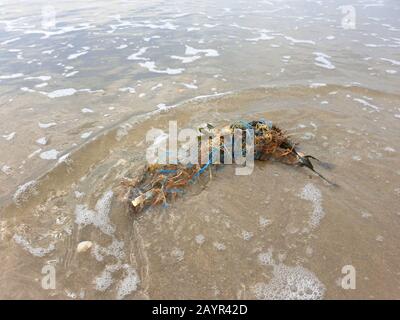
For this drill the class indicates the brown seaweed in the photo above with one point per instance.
(161, 183)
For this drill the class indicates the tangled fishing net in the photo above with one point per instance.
(160, 184)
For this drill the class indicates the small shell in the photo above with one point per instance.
(84, 246)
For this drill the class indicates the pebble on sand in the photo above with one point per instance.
(84, 246)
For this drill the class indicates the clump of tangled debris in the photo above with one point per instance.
(160, 184)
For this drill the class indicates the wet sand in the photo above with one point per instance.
(278, 233)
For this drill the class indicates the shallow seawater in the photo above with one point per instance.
(78, 96)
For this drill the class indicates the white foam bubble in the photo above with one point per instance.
(137, 55)
(317, 85)
(373, 45)
(79, 195)
(42, 141)
(264, 222)
(10, 136)
(61, 93)
(186, 59)
(26, 89)
(157, 86)
(147, 39)
(179, 254)
(219, 246)
(151, 66)
(70, 74)
(115, 249)
(9, 41)
(98, 217)
(105, 279)
(127, 89)
(125, 287)
(311, 193)
(166, 25)
(24, 191)
(86, 135)
(291, 283)
(91, 91)
(11, 76)
(393, 62)
(266, 258)
(322, 61)
(47, 125)
(129, 283)
(87, 110)
(208, 52)
(41, 78)
(200, 239)
(50, 154)
(162, 106)
(262, 37)
(59, 31)
(7, 170)
(35, 251)
(390, 149)
(247, 235)
(295, 41)
(366, 103)
(191, 85)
